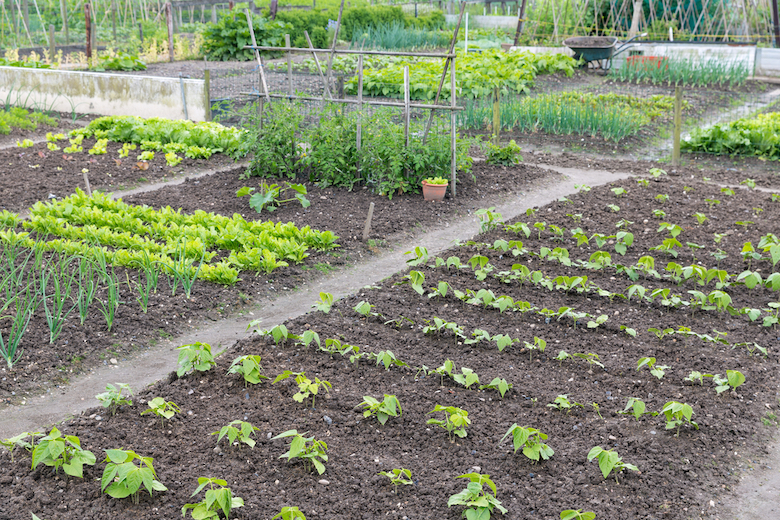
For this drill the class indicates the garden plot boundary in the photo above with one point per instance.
(449, 64)
(159, 361)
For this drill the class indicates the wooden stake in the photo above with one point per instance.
(677, 125)
(496, 115)
(64, 13)
(289, 65)
(86, 182)
(453, 132)
(52, 43)
(88, 29)
(359, 132)
(113, 19)
(335, 39)
(367, 227)
(406, 105)
(317, 62)
(207, 89)
(169, 23)
(259, 60)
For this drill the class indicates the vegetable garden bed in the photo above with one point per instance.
(574, 283)
(80, 347)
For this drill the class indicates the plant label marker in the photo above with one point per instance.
(86, 183)
(367, 227)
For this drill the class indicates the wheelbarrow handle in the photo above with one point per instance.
(627, 44)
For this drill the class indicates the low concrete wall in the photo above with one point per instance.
(489, 22)
(104, 94)
(768, 62)
(725, 53)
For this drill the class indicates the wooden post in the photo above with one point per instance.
(340, 87)
(213, 14)
(86, 182)
(496, 115)
(64, 13)
(520, 21)
(444, 72)
(453, 132)
(207, 92)
(367, 227)
(359, 133)
(677, 125)
(406, 105)
(335, 39)
(776, 22)
(274, 7)
(113, 19)
(52, 43)
(26, 15)
(169, 24)
(88, 29)
(289, 65)
(249, 22)
(317, 62)
(141, 32)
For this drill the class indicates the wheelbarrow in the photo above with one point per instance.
(598, 50)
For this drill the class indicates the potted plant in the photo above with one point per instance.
(434, 188)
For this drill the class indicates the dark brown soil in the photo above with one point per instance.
(678, 478)
(80, 347)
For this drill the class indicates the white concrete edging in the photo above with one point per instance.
(104, 94)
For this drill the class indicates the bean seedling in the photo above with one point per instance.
(455, 420)
(243, 433)
(62, 452)
(479, 502)
(538, 344)
(217, 499)
(123, 478)
(20, 441)
(562, 403)
(290, 513)
(636, 407)
(577, 514)
(676, 414)
(531, 440)
(249, 367)
(734, 378)
(306, 387)
(196, 356)
(162, 409)
(383, 410)
(398, 476)
(308, 449)
(112, 398)
(609, 461)
(499, 385)
(656, 370)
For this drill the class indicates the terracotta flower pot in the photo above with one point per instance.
(434, 191)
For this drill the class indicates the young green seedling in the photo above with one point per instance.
(578, 514)
(676, 414)
(364, 309)
(455, 420)
(467, 377)
(20, 441)
(398, 476)
(480, 504)
(57, 451)
(122, 478)
(562, 403)
(656, 370)
(241, 434)
(562, 356)
(531, 440)
(538, 344)
(196, 356)
(591, 358)
(249, 367)
(113, 398)
(306, 387)
(498, 384)
(734, 378)
(217, 499)
(307, 449)
(636, 407)
(383, 410)
(325, 303)
(290, 513)
(609, 461)
(162, 409)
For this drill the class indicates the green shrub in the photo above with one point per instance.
(225, 40)
(273, 149)
(361, 18)
(504, 155)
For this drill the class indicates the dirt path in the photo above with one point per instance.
(157, 362)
